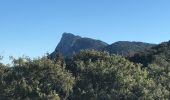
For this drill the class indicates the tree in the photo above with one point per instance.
(37, 79)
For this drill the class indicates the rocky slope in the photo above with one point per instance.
(71, 44)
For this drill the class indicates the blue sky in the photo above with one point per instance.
(33, 27)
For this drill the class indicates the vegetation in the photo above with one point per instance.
(159, 54)
(89, 75)
(35, 79)
(100, 76)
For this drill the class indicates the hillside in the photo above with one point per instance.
(159, 54)
(127, 48)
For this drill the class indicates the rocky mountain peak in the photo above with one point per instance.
(70, 44)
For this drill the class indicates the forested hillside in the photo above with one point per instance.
(126, 48)
(88, 75)
(159, 54)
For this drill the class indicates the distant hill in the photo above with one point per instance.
(71, 44)
(127, 48)
(159, 54)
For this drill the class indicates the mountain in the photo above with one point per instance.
(127, 48)
(71, 44)
(159, 54)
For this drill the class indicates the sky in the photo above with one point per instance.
(34, 27)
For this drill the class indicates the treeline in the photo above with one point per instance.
(89, 75)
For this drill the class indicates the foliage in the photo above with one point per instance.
(36, 79)
(159, 54)
(100, 76)
(89, 75)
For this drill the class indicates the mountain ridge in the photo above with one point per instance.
(127, 48)
(71, 44)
